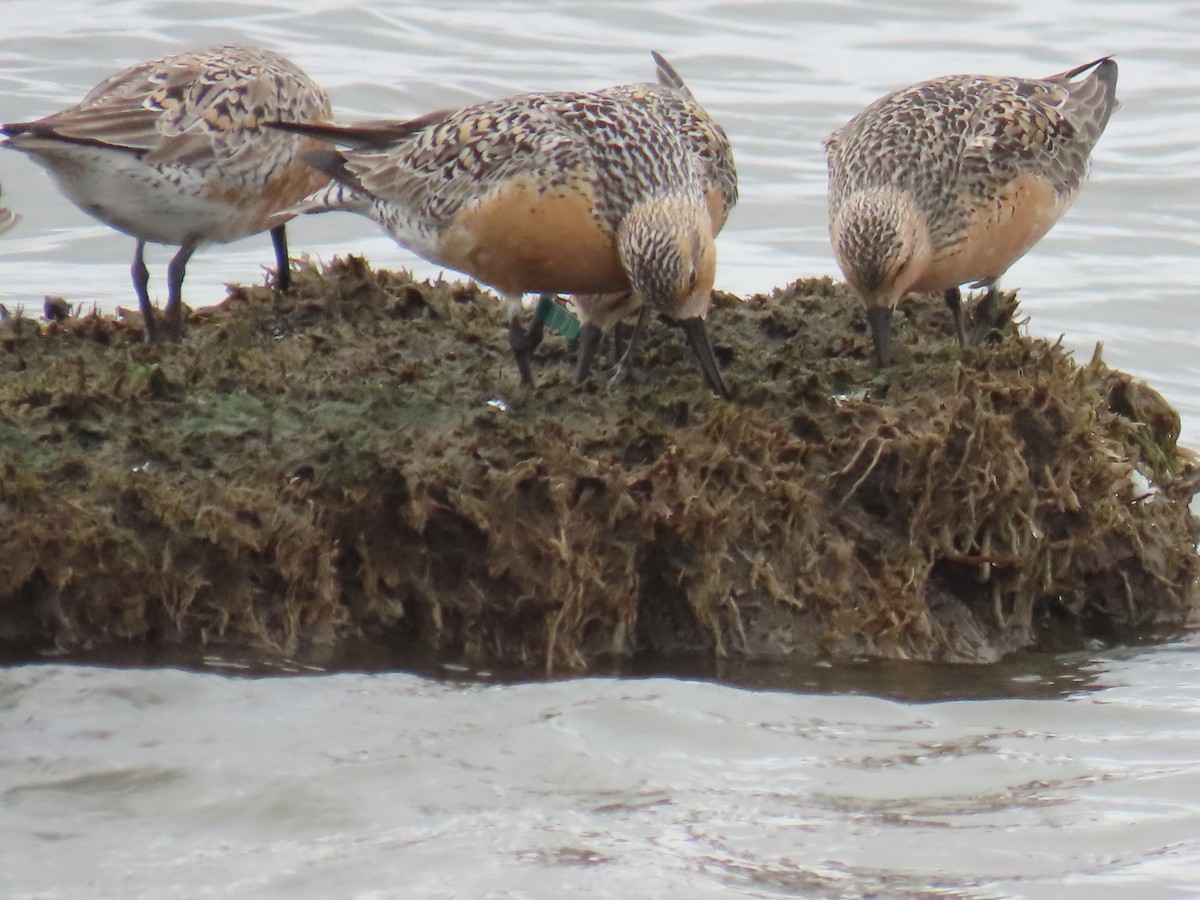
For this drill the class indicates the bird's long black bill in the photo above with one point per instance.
(880, 320)
(698, 338)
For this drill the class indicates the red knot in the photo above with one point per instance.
(591, 192)
(712, 157)
(951, 181)
(173, 151)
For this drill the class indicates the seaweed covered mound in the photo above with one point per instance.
(357, 457)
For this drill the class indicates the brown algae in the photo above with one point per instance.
(356, 457)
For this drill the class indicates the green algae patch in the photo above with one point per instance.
(356, 457)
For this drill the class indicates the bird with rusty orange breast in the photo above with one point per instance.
(712, 156)
(577, 192)
(173, 151)
(951, 181)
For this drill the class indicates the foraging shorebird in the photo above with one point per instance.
(173, 151)
(559, 192)
(708, 145)
(951, 181)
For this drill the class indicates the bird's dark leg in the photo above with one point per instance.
(537, 330)
(173, 313)
(618, 341)
(623, 364)
(141, 287)
(283, 264)
(518, 339)
(954, 301)
(589, 343)
(989, 307)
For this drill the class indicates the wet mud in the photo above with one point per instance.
(356, 458)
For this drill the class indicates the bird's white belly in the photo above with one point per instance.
(163, 206)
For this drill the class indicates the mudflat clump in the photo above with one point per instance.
(356, 457)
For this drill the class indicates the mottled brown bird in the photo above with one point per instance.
(951, 181)
(173, 151)
(589, 192)
(712, 156)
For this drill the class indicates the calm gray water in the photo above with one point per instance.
(1080, 778)
(1074, 777)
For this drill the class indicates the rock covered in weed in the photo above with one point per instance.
(356, 456)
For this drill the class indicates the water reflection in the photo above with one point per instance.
(1024, 676)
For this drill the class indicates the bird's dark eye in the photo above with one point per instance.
(693, 277)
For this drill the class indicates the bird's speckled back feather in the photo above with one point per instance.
(551, 136)
(175, 150)
(622, 144)
(189, 109)
(712, 155)
(703, 138)
(950, 143)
